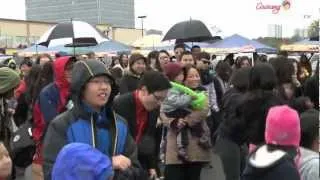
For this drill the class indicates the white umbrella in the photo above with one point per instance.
(75, 32)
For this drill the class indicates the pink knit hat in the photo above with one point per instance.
(282, 126)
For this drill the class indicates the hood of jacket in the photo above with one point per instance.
(83, 162)
(9, 79)
(82, 72)
(59, 66)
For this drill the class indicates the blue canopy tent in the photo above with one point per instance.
(72, 50)
(111, 46)
(34, 49)
(241, 44)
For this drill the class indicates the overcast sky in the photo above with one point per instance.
(230, 16)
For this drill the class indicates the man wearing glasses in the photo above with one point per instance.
(141, 109)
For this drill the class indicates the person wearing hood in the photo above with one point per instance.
(84, 163)
(279, 157)
(91, 120)
(9, 80)
(52, 101)
(130, 80)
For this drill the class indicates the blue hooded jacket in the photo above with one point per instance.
(106, 131)
(78, 161)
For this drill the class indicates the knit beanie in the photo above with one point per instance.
(282, 126)
(172, 70)
(9, 79)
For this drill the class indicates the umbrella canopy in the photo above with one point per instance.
(75, 32)
(111, 46)
(238, 44)
(189, 31)
(72, 50)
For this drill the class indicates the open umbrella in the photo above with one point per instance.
(189, 31)
(111, 46)
(78, 33)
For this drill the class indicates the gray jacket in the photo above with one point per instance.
(175, 100)
(309, 164)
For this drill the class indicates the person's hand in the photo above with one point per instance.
(120, 162)
(153, 174)
(5, 162)
(181, 123)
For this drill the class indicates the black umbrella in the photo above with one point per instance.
(76, 33)
(189, 31)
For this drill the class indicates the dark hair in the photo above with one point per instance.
(299, 104)
(240, 79)
(263, 58)
(186, 70)
(194, 47)
(31, 82)
(158, 65)
(116, 73)
(262, 76)
(309, 127)
(27, 61)
(224, 70)
(284, 69)
(45, 77)
(213, 57)
(283, 53)
(113, 61)
(240, 59)
(154, 81)
(41, 56)
(183, 46)
(121, 59)
(186, 53)
(229, 59)
(204, 55)
(152, 55)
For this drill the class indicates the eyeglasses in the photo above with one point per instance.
(159, 98)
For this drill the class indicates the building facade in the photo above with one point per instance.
(119, 13)
(275, 30)
(18, 34)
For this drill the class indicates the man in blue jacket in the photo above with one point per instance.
(92, 120)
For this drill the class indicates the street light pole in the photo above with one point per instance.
(142, 17)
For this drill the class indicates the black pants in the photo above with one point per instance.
(183, 171)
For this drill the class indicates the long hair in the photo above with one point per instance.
(45, 77)
(31, 82)
(158, 64)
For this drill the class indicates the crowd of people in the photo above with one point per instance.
(160, 116)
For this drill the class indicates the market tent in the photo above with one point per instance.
(238, 44)
(34, 49)
(111, 46)
(305, 45)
